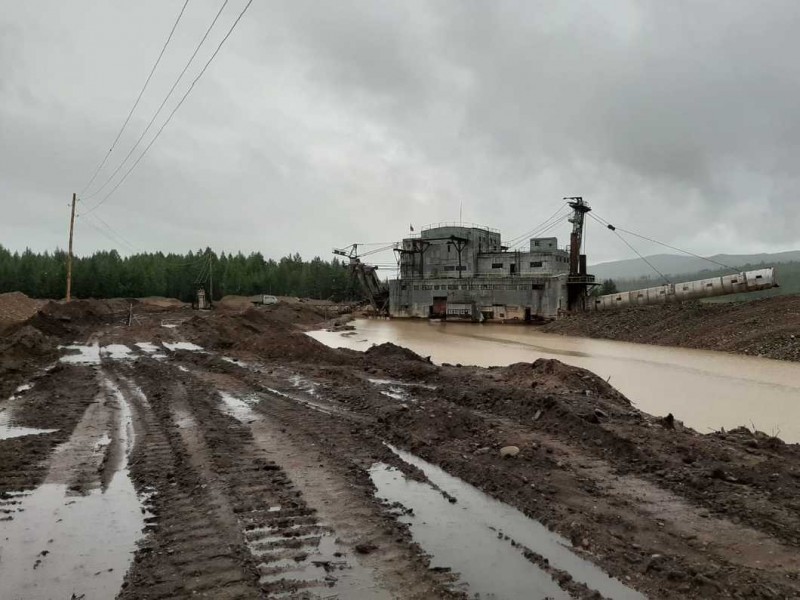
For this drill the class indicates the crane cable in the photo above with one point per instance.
(383, 249)
(624, 241)
(644, 237)
(138, 98)
(161, 106)
(174, 110)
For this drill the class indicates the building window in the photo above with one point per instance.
(535, 264)
(537, 286)
(536, 243)
(449, 268)
(497, 265)
(461, 268)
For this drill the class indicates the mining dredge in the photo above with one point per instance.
(460, 271)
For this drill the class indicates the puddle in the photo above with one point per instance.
(326, 565)
(182, 346)
(10, 431)
(7, 429)
(82, 354)
(116, 352)
(148, 347)
(238, 408)
(237, 362)
(394, 383)
(151, 350)
(394, 393)
(465, 536)
(60, 545)
(304, 384)
(307, 403)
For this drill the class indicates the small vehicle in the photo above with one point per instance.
(265, 299)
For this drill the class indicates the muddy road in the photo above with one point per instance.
(229, 455)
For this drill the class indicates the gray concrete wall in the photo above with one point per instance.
(525, 263)
(506, 297)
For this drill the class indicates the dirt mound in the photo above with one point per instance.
(297, 313)
(266, 333)
(22, 351)
(161, 302)
(64, 319)
(392, 352)
(550, 375)
(397, 361)
(16, 307)
(768, 327)
(235, 302)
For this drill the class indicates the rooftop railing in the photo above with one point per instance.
(457, 224)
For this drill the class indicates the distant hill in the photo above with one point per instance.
(674, 264)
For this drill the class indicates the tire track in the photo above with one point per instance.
(189, 551)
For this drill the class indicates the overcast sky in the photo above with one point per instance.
(320, 124)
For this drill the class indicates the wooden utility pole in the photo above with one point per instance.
(210, 281)
(69, 254)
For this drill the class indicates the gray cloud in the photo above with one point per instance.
(321, 124)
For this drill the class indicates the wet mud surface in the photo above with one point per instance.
(769, 327)
(231, 456)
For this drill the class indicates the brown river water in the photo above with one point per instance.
(706, 390)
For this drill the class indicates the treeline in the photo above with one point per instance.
(106, 274)
(788, 275)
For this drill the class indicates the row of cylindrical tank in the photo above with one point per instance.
(746, 281)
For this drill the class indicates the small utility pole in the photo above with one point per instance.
(69, 254)
(210, 280)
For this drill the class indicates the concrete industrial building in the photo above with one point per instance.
(458, 271)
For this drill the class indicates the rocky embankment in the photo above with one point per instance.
(768, 328)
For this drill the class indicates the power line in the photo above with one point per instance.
(174, 110)
(116, 233)
(514, 240)
(105, 234)
(163, 102)
(540, 231)
(138, 98)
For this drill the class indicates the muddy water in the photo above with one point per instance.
(61, 544)
(705, 389)
(472, 537)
